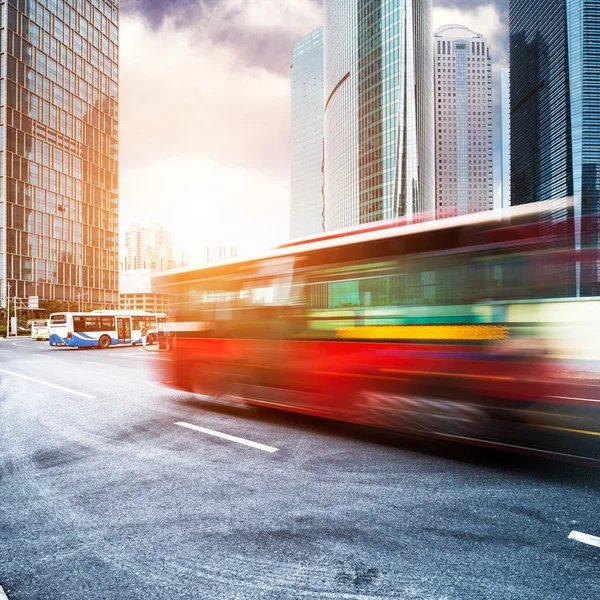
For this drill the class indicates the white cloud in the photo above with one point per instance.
(206, 202)
(204, 139)
(295, 17)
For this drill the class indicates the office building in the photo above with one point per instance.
(379, 120)
(59, 165)
(505, 136)
(555, 103)
(463, 122)
(306, 81)
(148, 248)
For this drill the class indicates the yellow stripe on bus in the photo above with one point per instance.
(424, 332)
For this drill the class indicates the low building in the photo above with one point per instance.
(135, 292)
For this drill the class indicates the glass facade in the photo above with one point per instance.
(463, 122)
(306, 81)
(555, 111)
(379, 138)
(505, 126)
(59, 158)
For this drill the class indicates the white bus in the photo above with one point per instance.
(105, 328)
(39, 330)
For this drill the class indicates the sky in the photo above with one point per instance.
(204, 112)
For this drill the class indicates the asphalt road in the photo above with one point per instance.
(104, 496)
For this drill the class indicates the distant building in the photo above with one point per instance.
(505, 133)
(135, 292)
(184, 259)
(148, 248)
(306, 81)
(219, 252)
(379, 136)
(463, 122)
(555, 108)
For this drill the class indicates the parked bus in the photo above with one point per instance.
(436, 328)
(39, 330)
(104, 328)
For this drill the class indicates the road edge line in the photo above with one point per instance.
(48, 384)
(3, 596)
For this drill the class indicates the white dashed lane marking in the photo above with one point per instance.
(226, 436)
(585, 538)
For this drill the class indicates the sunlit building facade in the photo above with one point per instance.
(306, 83)
(379, 120)
(463, 122)
(555, 108)
(58, 165)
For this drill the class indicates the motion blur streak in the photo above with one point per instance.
(426, 332)
(482, 327)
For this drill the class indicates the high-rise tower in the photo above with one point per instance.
(306, 81)
(58, 171)
(505, 135)
(463, 122)
(555, 103)
(379, 136)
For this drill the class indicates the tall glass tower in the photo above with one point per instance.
(463, 122)
(306, 83)
(555, 108)
(379, 120)
(505, 135)
(59, 158)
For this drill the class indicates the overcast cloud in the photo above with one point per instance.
(204, 111)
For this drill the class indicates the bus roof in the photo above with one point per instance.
(383, 230)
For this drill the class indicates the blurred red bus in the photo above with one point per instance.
(433, 327)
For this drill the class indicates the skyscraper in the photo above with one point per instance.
(505, 134)
(58, 170)
(148, 248)
(379, 137)
(463, 122)
(555, 103)
(306, 81)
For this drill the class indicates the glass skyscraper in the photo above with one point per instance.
(379, 136)
(505, 129)
(59, 158)
(463, 122)
(306, 81)
(555, 111)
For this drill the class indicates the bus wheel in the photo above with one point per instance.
(151, 339)
(104, 342)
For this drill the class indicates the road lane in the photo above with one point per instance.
(105, 498)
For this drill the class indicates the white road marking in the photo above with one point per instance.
(3, 596)
(145, 356)
(226, 436)
(47, 383)
(17, 343)
(89, 362)
(584, 538)
(3, 350)
(42, 355)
